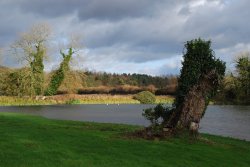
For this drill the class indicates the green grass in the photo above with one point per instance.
(78, 99)
(31, 141)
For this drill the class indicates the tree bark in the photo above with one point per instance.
(190, 112)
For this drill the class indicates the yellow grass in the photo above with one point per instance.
(78, 99)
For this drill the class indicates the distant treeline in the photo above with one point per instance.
(106, 83)
(98, 82)
(94, 79)
(15, 82)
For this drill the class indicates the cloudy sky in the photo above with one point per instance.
(141, 36)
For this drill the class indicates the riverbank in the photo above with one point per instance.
(78, 99)
(35, 141)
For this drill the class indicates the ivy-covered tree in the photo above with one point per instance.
(37, 69)
(30, 49)
(59, 75)
(199, 80)
(199, 59)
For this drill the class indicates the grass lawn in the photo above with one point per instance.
(32, 141)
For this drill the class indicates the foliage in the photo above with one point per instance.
(199, 80)
(199, 60)
(235, 88)
(73, 81)
(4, 72)
(243, 78)
(14, 84)
(200, 77)
(18, 83)
(95, 79)
(59, 75)
(123, 89)
(37, 68)
(91, 82)
(158, 116)
(145, 97)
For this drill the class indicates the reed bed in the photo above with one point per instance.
(77, 99)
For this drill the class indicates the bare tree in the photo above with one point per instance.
(30, 49)
(30, 41)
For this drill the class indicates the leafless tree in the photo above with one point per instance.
(30, 49)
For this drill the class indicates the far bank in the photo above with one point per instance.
(78, 99)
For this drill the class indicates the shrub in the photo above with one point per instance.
(73, 101)
(17, 83)
(158, 117)
(145, 97)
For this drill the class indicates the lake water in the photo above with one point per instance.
(232, 121)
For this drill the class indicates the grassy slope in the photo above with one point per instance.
(27, 141)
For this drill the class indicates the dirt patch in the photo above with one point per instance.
(148, 134)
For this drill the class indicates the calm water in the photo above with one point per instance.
(233, 121)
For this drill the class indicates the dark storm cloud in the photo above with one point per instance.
(113, 9)
(48, 8)
(91, 9)
(225, 24)
(123, 32)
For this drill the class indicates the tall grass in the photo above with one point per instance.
(78, 99)
(18, 101)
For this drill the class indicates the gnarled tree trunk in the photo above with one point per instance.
(190, 112)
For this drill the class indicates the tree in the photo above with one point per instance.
(31, 49)
(59, 75)
(199, 80)
(236, 85)
(4, 72)
(243, 77)
(64, 68)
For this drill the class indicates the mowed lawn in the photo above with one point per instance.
(32, 141)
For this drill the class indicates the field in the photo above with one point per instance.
(31, 141)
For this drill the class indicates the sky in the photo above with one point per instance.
(128, 36)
